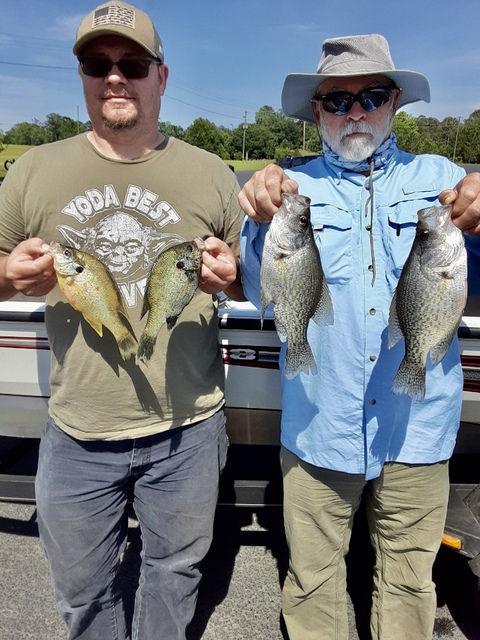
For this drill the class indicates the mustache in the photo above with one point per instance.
(356, 127)
(122, 93)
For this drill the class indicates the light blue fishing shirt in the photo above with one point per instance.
(346, 417)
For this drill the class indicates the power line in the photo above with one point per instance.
(38, 66)
(175, 83)
(196, 106)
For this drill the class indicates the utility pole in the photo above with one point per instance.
(244, 130)
(456, 139)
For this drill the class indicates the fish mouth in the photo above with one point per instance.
(441, 213)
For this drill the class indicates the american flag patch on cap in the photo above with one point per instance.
(114, 15)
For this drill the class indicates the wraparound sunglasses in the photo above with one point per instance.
(340, 102)
(130, 68)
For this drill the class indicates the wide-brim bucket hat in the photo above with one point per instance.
(349, 56)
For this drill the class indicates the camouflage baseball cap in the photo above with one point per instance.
(121, 19)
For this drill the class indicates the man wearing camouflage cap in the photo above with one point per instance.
(118, 430)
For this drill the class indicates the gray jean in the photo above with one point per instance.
(82, 489)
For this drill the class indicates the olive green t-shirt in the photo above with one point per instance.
(125, 213)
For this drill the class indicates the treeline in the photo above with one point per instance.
(273, 136)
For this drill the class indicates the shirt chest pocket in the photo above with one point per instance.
(402, 223)
(332, 229)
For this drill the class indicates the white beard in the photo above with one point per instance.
(359, 148)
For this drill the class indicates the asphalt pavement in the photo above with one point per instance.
(240, 592)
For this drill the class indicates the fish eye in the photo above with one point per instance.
(303, 220)
(68, 253)
(180, 264)
(79, 269)
(423, 235)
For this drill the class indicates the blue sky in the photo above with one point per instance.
(227, 58)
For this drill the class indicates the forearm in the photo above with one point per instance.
(7, 290)
(235, 290)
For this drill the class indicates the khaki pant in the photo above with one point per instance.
(406, 509)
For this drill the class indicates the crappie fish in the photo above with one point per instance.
(90, 288)
(171, 285)
(291, 277)
(431, 294)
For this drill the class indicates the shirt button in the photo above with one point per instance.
(370, 267)
(372, 358)
(367, 184)
(368, 227)
(372, 401)
(372, 312)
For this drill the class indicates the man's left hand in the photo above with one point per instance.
(465, 201)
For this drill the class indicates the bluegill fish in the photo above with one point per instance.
(171, 285)
(292, 278)
(90, 288)
(431, 294)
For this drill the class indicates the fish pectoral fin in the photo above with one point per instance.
(171, 321)
(395, 332)
(145, 307)
(281, 330)
(323, 315)
(437, 353)
(96, 326)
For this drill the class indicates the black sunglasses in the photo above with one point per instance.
(340, 102)
(131, 68)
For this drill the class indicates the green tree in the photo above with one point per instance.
(59, 127)
(405, 128)
(281, 128)
(313, 139)
(170, 129)
(260, 142)
(204, 134)
(32, 133)
(467, 148)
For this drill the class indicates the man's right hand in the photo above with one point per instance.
(261, 196)
(27, 270)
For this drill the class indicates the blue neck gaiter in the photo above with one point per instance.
(380, 157)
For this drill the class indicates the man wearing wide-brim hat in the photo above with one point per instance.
(346, 434)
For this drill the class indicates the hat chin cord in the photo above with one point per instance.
(369, 204)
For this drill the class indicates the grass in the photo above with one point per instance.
(10, 152)
(14, 151)
(248, 165)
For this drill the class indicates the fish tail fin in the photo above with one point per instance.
(410, 379)
(299, 359)
(127, 346)
(145, 347)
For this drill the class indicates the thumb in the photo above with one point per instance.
(289, 186)
(448, 196)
